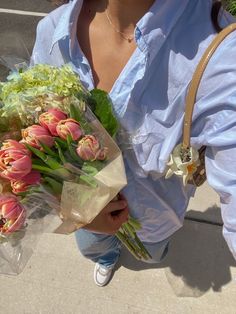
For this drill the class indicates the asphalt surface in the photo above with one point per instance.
(17, 31)
(27, 5)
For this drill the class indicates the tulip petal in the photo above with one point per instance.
(12, 213)
(18, 222)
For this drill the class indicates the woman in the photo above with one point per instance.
(144, 53)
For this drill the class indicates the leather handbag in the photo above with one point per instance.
(199, 176)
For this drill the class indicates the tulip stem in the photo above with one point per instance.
(54, 185)
(127, 235)
(142, 246)
(60, 153)
(129, 230)
(42, 169)
(61, 143)
(73, 154)
(124, 240)
(48, 150)
(49, 161)
(134, 223)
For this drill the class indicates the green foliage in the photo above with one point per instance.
(54, 185)
(39, 80)
(77, 113)
(102, 108)
(29, 92)
(89, 172)
(231, 6)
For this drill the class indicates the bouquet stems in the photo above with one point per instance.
(128, 236)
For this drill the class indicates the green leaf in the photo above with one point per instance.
(63, 174)
(77, 114)
(102, 108)
(37, 161)
(231, 6)
(89, 169)
(54, 185)
(49, 161)
(36, 152)
(48, 150)
(60, 173)
(62, 143)
(96, 164)
(42, 169)
(90, 173)
(60, 153)
(72, 152)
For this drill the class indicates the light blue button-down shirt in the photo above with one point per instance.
(149, 100)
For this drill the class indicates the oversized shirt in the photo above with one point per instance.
(149, 100)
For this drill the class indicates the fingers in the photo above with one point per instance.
(110, 219)
(121, 215)
(121, 196)
(116, 205)
(117, 220)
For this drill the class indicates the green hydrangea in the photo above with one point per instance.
(26, 91)
(40, 79)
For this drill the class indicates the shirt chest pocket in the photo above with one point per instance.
(143, 148)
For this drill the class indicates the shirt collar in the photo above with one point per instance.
(151, 30)
(67, 21)
(158, 22)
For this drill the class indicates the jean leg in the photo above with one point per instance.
(100, 248)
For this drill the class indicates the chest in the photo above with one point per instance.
(106, 52)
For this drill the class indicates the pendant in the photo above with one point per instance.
(130, 39)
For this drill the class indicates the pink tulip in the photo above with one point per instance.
(36, 134)
(33, 178)
(89, 149)
(50, 119)
(15, 160)
(69, 127)
(12, 144)
(12, 214)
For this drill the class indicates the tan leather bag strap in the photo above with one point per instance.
(193, 88)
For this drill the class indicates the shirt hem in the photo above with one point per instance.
(163, 237)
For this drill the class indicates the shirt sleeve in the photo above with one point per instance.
(217, 118)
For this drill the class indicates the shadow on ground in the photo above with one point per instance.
(212, 215)
(198, 260)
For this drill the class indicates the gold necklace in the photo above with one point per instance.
(126, 37)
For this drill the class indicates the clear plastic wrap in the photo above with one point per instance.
(56, 160)
(16, 248)
(41, 172)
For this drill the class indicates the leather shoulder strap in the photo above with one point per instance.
(193, 88)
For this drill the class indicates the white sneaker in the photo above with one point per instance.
(102, 274)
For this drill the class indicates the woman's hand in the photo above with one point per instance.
(110, 218)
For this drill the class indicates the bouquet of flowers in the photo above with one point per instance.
(56, 157)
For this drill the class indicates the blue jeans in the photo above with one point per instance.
(105, 249)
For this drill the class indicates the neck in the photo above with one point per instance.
(123, 13)
(127, 11)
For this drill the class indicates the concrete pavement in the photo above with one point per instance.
(198, 276)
